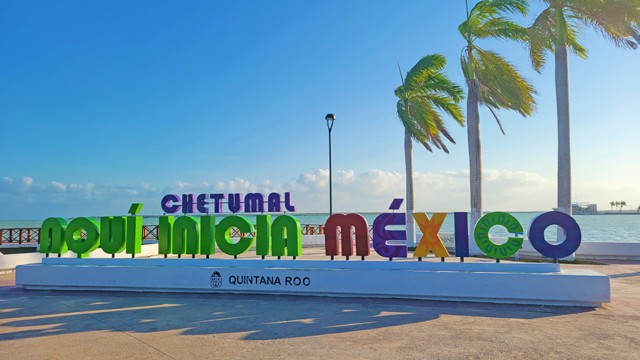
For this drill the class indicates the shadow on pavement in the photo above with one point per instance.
(626, 275)
(32, 314)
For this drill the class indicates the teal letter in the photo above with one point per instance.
(52, 236)
(223, 239)
(73, 236)
(286, 234)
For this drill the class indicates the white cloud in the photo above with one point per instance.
(8, 180)
(58, 185)
(373, 190)
(319, 179)
(344, 177)
(433, 191)
(239, 185)
(182, 184)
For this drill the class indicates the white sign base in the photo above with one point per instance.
(520, 283)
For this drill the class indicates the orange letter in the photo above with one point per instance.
(430, 240)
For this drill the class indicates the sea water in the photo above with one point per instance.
(595, 228)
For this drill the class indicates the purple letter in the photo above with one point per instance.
(217, 202)
(274, 203)
(201, 204)
(287, 202)
(381, 235)
(166, 204)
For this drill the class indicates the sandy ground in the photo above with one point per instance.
(101, 325)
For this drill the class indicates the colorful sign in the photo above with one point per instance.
(191, 235)
(212, 203)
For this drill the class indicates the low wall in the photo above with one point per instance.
(587, 251)
(9, 262)
(517, 283)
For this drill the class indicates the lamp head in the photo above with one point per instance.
(330, 119)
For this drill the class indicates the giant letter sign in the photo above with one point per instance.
(381, 235)
(286, 236)
(491, 249)
(52, 236)
(343, 223)
(113, 234)
(567, 223)
(73, 236)
(223, 237)
(430, 239)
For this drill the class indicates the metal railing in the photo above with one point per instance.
(149, 232)
(20, 236)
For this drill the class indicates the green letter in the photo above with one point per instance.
(186, 235)
(113, 232)
(208, 235)
(286, 233)
(52, 236)
(492, 250)
(165, 232)
(73, 236)
(224, 240)
(134, 234)
(263, 235)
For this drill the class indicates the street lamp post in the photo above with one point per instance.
(330, 119)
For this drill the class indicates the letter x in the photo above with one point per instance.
(430, 240)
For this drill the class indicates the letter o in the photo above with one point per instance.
(306, 281)
(567, 223)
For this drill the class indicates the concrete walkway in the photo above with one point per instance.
(100, 325)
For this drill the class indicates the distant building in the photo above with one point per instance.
(584, 208)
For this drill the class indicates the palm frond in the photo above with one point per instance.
(495, 116)
(425, 95)
(541, 38)
(501, 28)
(425, 68)
(616, 20)
(502, 86)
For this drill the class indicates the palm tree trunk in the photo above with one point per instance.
(475, 156)
(408, 162)
(564, 137)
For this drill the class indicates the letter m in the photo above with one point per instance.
(337, 230)
(254, 202)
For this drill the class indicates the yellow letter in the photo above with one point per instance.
(430, 240)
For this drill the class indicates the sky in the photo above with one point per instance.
(103, 104)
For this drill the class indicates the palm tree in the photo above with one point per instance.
(622, 204)
(424, 95)
(556, 30)
(617, 204)
(613, 203)
(491, 80)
